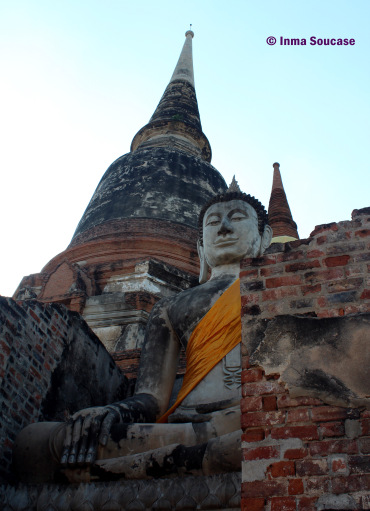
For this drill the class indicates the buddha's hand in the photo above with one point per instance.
(84, 430)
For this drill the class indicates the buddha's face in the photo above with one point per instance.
(230, 233)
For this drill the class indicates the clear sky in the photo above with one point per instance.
(80, 77)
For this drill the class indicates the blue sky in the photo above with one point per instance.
(80, 78)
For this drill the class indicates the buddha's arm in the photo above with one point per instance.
(156, 376)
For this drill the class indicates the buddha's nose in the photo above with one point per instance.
(225, 226)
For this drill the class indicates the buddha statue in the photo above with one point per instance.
(140, 437)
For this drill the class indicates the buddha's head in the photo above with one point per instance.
(231, 226)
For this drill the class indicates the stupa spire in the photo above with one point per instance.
(184, 69)
(280, 217)
(176, 121)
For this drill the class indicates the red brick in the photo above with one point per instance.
(295, 454)
(339, 465)
(365, 294)
(363, 233)
(253, 435)
(260, 261)
(311, 289)
(252, 419)
(295, 487)
(264, 488)
(326, 447)
(302, 266)
(322, 302)
(282, 469)
(35, 373)
(262, 388)
(35, 317)
(307, 504)
(330, 429)
(332, 226)
(283, 504)
(290, 280)
(278, 294)
(269, 403)
(4, 347)
(11, 327)
(251, 404)
(253, 374)
(328, 413)
(293, 255)
(319, 484)
(314, 253)
(286, 401)
(311, 467)
(303, 432)
(272, 376)
(324, 313)
(253, 504)
(364, 445)
(351, 483)
(8, 338)
(264, 452)
(272, 270)
(249, 299)
(298, 415)
(248, 273)
(321, 240)
(324, 275)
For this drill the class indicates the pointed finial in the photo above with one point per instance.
(234, 187)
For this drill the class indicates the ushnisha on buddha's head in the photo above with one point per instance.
(231, 226)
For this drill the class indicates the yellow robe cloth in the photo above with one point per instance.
(217, 333)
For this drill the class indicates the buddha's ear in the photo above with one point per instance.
(265, 239)
(203, 273)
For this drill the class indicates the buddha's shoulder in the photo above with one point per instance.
(189, 306)
(207, 292)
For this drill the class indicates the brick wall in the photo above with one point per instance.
(299, 452)
(43, 353)
(325, 275)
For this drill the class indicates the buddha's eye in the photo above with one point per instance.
(214, 221)
(237, 217)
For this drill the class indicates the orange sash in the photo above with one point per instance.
(217, 333)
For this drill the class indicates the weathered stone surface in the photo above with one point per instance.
(157, 183)
(328, 358)
(205, 492)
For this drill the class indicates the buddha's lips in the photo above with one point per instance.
(226, 241)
